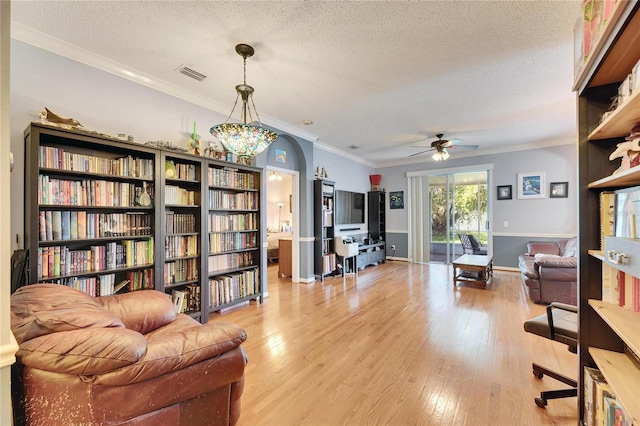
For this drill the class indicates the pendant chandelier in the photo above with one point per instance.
(244, 139)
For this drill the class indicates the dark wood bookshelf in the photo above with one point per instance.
(60, 147)
(609, 335)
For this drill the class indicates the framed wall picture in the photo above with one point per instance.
(504, 192)
(558, 189)
(396, 200)
(531, 185)
(280, 155)
(627, 213)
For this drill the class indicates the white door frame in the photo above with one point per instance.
(295, 207)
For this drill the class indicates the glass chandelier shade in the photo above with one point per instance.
(244, 139)
(441, 154)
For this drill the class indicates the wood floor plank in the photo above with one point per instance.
(397, 345)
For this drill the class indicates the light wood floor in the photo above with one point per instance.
(397, 346)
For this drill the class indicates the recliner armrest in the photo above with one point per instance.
(142, 311)
(84, 351)
(552, 261)
(176, 346)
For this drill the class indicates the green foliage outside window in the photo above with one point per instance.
(470, 206)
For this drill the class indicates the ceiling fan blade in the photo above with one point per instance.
(465, 147)
(421, 152)
(449, 143)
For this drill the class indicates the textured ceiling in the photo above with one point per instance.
(381, 76)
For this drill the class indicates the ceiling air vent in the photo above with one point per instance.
(191, 73)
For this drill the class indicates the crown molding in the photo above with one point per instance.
(83, 56)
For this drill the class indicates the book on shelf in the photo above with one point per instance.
(56, 225)
(122, 284)
(178, 300)
(620, 288)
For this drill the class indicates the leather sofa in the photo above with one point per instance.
(125, 359)
(549, 271)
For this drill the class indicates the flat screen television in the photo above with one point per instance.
(349, 207)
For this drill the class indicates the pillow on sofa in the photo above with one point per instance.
(555, 261)
(571, 248)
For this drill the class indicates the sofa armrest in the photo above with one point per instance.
(168, 350)
(552, 261)
(534, 248)
(142, 311)
(85, 351)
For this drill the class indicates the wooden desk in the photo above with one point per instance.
(284, 257)
(475, 269)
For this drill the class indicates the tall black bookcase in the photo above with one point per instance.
(233, 233)
(324, 228)
(609, 334)
(104, 216)
(181, 223)
(376, 214)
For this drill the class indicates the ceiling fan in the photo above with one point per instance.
(441, 145)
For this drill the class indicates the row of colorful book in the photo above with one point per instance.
(180, 246)
(89, 192)
(180, 223)
(620, 288)
(227, 288)
(180, 271)
(230, 241)
(79, 224)
(601, 408)
(105, 285)
(52, 157)
(179, 196)
(233, 222)
(222, 200)
(222, 262)
(328, 263)
(231, 178)
(186, 299)
(185, 171)
(55, 261)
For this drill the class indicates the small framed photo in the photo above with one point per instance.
(558, 189)
(627, 213)
(396, 200)
(531, 185)
(504, 192)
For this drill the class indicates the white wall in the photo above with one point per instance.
(99, 100)
(546, 216)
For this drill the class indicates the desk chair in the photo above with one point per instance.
(470, 245)
(559, 323)
(347, 251)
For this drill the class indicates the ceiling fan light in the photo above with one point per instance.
(441, 154)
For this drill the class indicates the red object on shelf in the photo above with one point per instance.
(375, 182)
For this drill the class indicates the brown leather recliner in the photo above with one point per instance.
(125, 359)
(549, 271)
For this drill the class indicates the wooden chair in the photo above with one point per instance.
(559, 323)
(470, 245)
